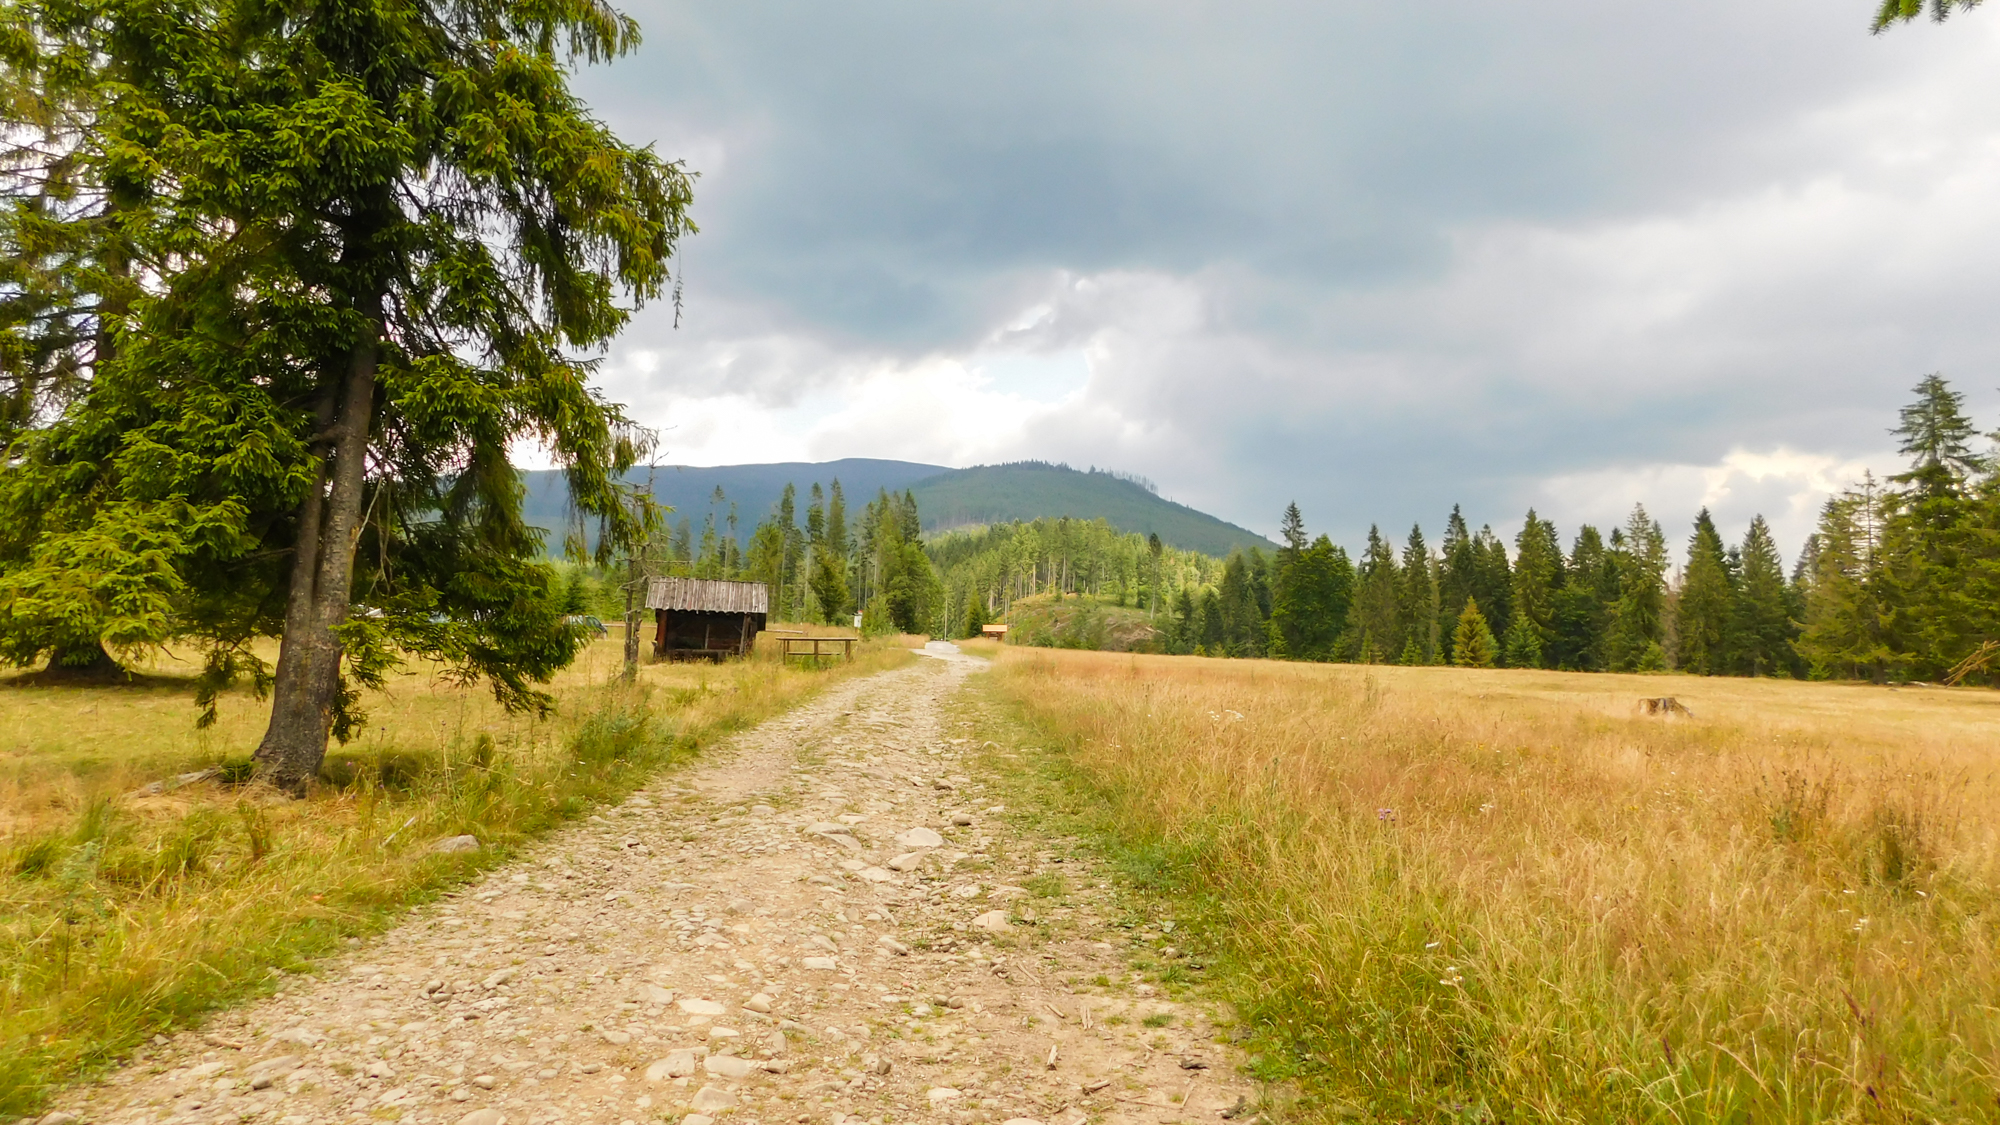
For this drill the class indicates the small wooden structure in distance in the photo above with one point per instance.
(813, 648)
(706, 619)
(996, 630)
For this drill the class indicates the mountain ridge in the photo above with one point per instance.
(947, 498)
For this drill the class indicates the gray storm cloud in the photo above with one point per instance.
(1379, 259)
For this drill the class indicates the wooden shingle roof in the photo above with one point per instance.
(708, 595)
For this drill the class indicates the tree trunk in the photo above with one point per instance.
(306, 690)
(83, 664)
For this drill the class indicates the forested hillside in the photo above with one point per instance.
(1901, 581)
(735, 497)
(1028, 491)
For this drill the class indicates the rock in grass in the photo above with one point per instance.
(456, 844)
(920, 838)
(487, 1116)
(697, 1119)
(995, 920)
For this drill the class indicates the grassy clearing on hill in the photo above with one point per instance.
(122, 915)
(1453, 895)
(1079, 621)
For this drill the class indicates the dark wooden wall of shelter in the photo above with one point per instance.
(681, 634)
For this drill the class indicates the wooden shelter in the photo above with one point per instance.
(706, 619)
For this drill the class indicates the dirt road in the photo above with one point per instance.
(828, 920)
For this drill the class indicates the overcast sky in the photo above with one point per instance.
(1375, 258)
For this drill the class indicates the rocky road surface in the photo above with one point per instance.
(825, 920)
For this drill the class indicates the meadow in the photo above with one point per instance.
(124, 913)
(1461, 895)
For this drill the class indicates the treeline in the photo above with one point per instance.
(1899, 582)
(819, 565)
(986, 569)
(1604, 604)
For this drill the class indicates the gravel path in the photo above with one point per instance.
(823, 921)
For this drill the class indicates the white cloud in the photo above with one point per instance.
(1785, 486)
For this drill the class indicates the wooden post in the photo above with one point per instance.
(631, 620)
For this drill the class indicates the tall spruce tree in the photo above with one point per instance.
(1242, 626)
(1842, 633)
(1637, 628)
(1492, 576)
(1538, 575)
(1929, 539)
(428, 228)
(1375, 632)
(1418, 601)
(1458, 571)
(1761, 630)
(1286, 621)
(1705, 611)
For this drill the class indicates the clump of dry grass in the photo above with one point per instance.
(124, 915)
(1450, 894)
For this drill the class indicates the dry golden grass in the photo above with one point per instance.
(121, 915)
(1494, 895)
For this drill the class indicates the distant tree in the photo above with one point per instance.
(1637, 627)
(1843, 632)
(1458, 575)
(1590, 584)
(1186, 630)
(975, 614)
(1242, 626)
(1472, 642)
(1154, 549)
(1538, 575)
(1522, 645)
(1935, 433)
(1932, 547)
(1705, 610)
(1375, 626)
(829, 586)
(1418, 601)
(1761, 628)
(1314, 604)
(1211, 636)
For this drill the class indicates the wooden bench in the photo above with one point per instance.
(810, 648)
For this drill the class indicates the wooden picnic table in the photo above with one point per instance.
(811, 647)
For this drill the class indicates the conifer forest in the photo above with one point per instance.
(1901, 580)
